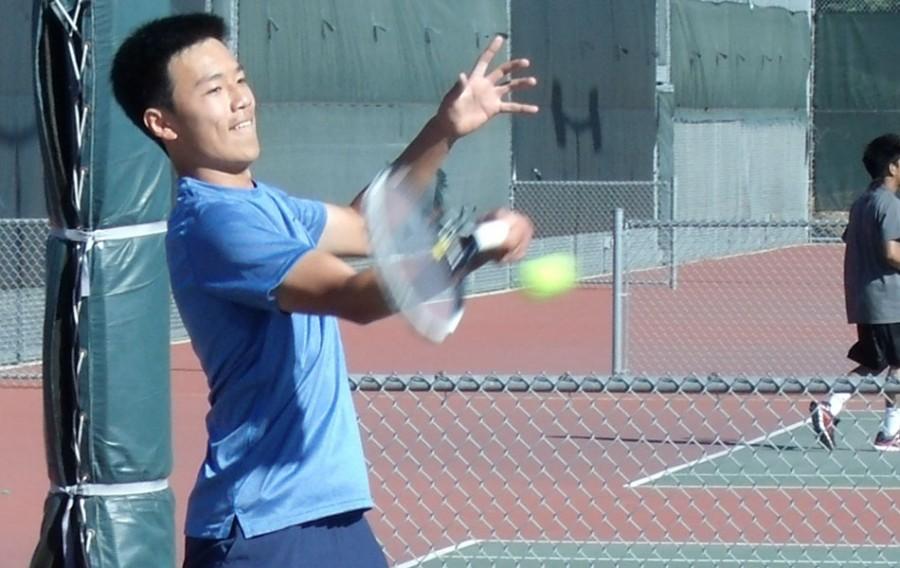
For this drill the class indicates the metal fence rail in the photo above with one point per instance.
(624, 384)
(624, 471)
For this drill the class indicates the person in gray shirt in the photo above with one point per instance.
(872, 290)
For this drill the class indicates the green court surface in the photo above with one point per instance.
(791, 457)
(502, 554)
(787, 458)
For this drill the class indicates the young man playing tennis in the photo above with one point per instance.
(258, 279)
(872, 289)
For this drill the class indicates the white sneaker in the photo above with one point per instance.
(823, 423)
(884, 444)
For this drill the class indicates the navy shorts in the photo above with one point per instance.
(340, 541)
(878, 346)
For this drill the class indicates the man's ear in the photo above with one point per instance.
(894, 168)
(159, 124)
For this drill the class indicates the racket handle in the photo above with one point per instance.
(490, 234)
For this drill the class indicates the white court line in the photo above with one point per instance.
(438, 553)
(22, 365)
(710, 457)
(739, 488)
(661, 559)
(717, 562)
(679, 543)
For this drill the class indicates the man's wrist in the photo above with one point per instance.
(443, 129)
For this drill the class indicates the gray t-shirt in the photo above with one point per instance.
(871, 285)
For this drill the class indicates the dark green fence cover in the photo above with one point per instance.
(21, 169)
(728, 55)
(596, 63)
(856, 99)
(342, 87)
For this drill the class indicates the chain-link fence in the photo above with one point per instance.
(577, 217)
(734, 298)
(593, 471)
(783, 274)
(21, 296)
(698, 453)
(857, 6)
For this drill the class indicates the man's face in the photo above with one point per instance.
(214, 118)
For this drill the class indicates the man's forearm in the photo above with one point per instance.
(423, 156)
(892, 254)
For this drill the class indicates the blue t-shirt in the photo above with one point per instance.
(284, 445)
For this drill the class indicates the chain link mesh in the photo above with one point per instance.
(752, 298)
(22, 274)
(577, 217)
(874, 6)
(22, 299)
(588, 471)
(699, 454)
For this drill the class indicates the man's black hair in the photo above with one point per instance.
(880, 154)
(140, 75)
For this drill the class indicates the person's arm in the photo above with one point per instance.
(237, 254)
(345, 232)
(471, 103)
(888, 218)
(321, 283)
(892, 254)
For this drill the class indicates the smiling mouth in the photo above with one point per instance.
(242, 125)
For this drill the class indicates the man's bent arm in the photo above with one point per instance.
(321, 283)
(345, 230)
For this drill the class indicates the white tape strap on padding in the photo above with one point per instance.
(112, 489)
(91, 238)
(113, 234)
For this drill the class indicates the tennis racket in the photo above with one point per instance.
(421, 259)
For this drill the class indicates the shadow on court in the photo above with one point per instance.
(706, 442)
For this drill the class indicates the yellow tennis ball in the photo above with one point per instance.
(548, 276)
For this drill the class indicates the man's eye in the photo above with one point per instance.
(213, 90)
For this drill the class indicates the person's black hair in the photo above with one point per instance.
(140, 69)
(880, 153)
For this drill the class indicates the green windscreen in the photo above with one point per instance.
(342, 87)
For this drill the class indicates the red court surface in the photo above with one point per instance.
(447, 466)
(778, 312)
(489, 338)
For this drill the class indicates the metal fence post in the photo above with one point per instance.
(673, 258)
(618, 332)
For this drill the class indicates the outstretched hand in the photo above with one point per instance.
(479, 96)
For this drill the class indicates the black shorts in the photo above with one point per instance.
(336, 541)
(877, 347)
